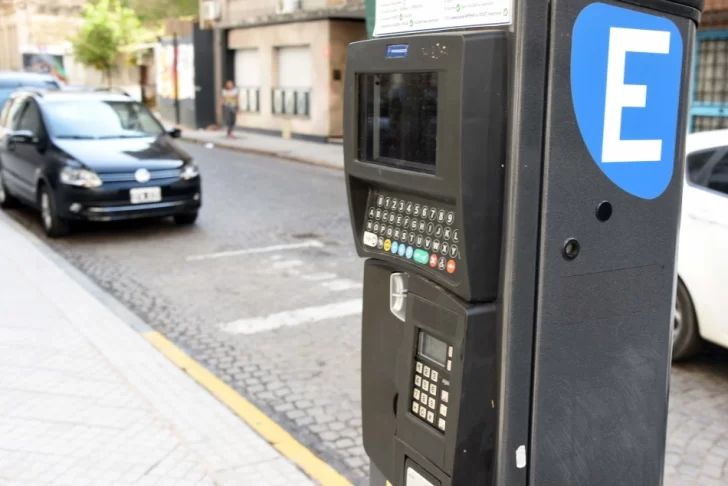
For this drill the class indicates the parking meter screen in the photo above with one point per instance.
(432, 349)
(398, 124)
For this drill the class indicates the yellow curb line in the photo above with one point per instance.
(257, 420)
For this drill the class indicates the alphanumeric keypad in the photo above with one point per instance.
(424, 233)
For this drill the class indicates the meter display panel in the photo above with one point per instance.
(398, 119)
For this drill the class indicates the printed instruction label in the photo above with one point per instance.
(402, 16)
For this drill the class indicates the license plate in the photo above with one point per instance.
(141, 195)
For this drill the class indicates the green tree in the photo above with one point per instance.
(158, 10)
(108, 28)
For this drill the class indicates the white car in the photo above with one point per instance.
(700, 312)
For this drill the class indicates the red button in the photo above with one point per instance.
(433, 260)
(451, 266)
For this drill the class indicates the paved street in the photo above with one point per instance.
(265, 291)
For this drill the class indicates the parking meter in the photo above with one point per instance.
(515, 180)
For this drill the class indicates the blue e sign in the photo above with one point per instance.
(626, 68)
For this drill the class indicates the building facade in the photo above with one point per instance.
(34, 36)
(709, 96)
(288, 59)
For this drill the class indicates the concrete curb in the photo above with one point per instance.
(266, 153)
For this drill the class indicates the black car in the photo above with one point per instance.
(95, 156)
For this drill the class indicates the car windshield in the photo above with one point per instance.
(99, 119)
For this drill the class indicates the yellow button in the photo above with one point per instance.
(387, 245)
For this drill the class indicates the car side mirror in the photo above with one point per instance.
(174, 132)
(24, 137)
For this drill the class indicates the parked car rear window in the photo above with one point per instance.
(95, 119)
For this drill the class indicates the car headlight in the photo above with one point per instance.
(189, 171)
(80, 177)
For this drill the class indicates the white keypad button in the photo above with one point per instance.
(417, 210)
(415, 407)
(456, 236)
(434, 376)
(431, 417)
(422, 226)
(416, 394)
(394, 203)
(418, 367)
(433, 388)
(401, 206)
(413, 224)
(380, 201)
(430, 228)
(406, 222)
(436, 246)
(441, 424)
(449, 352)
(385, 216)
(399, 220)
(370, 225)
(447, 233)
(449, 365)
(370, 239)
(409, 208)
(445, 396)
(441, 216)
(450, 218)
(431, 403)
(423, 399)
(445, 248)
(372, 212)
(427, 372)
(424, 211)
(392, 217)
(397, 232)
(443, 410)
(418, 380)
(426, 385)
(387, 201)
(433, 214)
(423, 412)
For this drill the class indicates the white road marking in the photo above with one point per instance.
(294, 317)
(317, 277)
(256, 251)
(341, 285)
(286, 264)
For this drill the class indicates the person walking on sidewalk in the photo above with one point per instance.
(230, 107)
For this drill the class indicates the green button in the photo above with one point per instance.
(422, 257)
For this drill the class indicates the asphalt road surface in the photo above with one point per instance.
(266, 291)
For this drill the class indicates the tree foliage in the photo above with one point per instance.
(108, 27)
(158, 10)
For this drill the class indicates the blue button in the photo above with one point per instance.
(410, 252)
(402, 250)
(395, 247)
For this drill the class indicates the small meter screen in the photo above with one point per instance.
(398, 119)
(432, 349)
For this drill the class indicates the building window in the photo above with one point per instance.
(709, 98)
(247, 79)
(292, 91)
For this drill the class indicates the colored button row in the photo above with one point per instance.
(420, 256)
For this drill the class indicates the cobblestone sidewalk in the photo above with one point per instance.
(329, 155)
(85, 400)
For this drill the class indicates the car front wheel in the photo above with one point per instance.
(6, 199)
(686, 340)
(53, 225)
